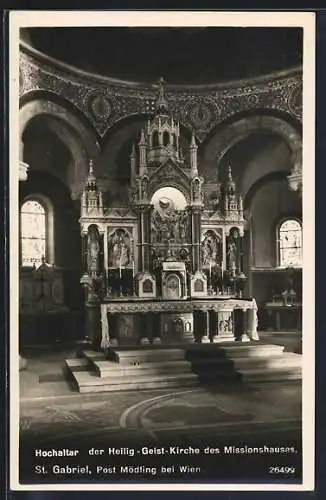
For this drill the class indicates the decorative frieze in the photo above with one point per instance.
(104, 101)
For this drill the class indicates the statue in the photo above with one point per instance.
(93, 250)
(209, 249)
(119, 249)
(232, 251)
(144, 187)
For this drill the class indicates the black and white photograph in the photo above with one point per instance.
(162, 279)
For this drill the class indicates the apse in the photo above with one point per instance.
(252, 158)
(44, 150)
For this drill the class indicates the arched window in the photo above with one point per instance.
(166, 138)
(155, 140)
(290, 243)
(35, 230)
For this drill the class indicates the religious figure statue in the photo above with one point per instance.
(93, 250)
(232, 251)
(119, 250)
(209, 249)
(144, 187)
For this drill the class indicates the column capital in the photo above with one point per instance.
(23, 168)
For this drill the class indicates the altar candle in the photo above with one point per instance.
(133, 268)
(210, 271)
(120, 268)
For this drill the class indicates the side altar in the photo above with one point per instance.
(169, 266)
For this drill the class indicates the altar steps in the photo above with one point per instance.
(131, 370)
(182, 366)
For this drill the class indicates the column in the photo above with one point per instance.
(214, 325)
(156, 328)
(205, 338)
(195, 232)
(252, 322)
(105, 334)
(144, 237)
(244, 336)
(93, 325)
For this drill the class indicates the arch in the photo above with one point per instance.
(80, 141)
(139, 118)
(238, 130)
(63, 103)
(155, 139)
(166, 138)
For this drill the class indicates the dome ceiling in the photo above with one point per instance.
(182, 55)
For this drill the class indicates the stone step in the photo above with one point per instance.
(253, 350)
(289, 360)
(111, 369)
(232, 350)
(128, 357)
(269, 375)
(94, 355)
(77, 364)
(87, 382)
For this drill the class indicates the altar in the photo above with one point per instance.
(169, 266)
(168, 322)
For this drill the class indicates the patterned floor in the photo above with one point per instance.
(51, 415)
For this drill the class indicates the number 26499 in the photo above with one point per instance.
(281, 469)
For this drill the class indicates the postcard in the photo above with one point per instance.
(161, 250)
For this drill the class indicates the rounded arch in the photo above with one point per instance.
(61, 102)
(141, 120)
(116, 146)
(80, 140)
(242, 127)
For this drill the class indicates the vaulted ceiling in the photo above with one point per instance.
(181, 55)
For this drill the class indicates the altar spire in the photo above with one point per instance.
(91, 197)
(161, 105)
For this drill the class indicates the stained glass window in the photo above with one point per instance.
(290, 243)
(33, 232)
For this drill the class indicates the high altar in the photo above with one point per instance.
(169, 267)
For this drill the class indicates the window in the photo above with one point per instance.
(34, 232)
(155, 140)
(290, 243)
(166, 138)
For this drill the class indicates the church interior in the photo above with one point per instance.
(160, 202)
